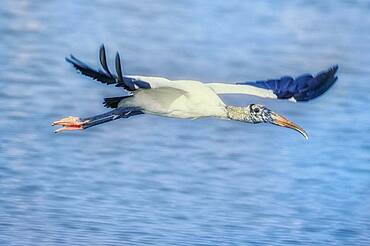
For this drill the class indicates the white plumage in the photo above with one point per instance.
(180, 99)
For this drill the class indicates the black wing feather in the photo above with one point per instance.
(105, 76)
(103, 60)
(118, 69)
(90, 72)
(302, 88)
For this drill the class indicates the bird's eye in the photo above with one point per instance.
(256, 110)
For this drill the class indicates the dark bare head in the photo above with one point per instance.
(255, 113)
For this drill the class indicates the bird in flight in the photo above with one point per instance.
(189, 99)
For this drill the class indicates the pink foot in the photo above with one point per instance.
(70, 123)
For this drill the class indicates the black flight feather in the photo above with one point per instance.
(103, 60)
(105, 76)
(90, 72)
(301, 88)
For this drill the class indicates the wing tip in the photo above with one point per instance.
(69, 59)
(324, 81)
(333, 69)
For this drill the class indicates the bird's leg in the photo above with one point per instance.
(72, 123)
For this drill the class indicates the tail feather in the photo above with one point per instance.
(112, 102)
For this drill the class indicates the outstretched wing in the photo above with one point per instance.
(302, 88)
(130, 83)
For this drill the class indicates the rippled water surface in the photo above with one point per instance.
(160, 181)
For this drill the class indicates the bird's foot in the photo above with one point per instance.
(70, 123)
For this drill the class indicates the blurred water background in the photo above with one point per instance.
(160, 181)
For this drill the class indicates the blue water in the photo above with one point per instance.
(160, 181)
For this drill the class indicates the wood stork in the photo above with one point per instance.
(191, 99)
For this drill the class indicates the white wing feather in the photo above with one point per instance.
(222, 88)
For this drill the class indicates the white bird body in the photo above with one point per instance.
(179, 99)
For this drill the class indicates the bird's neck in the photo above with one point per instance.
(238, 113)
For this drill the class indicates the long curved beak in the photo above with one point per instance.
(279, 120)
